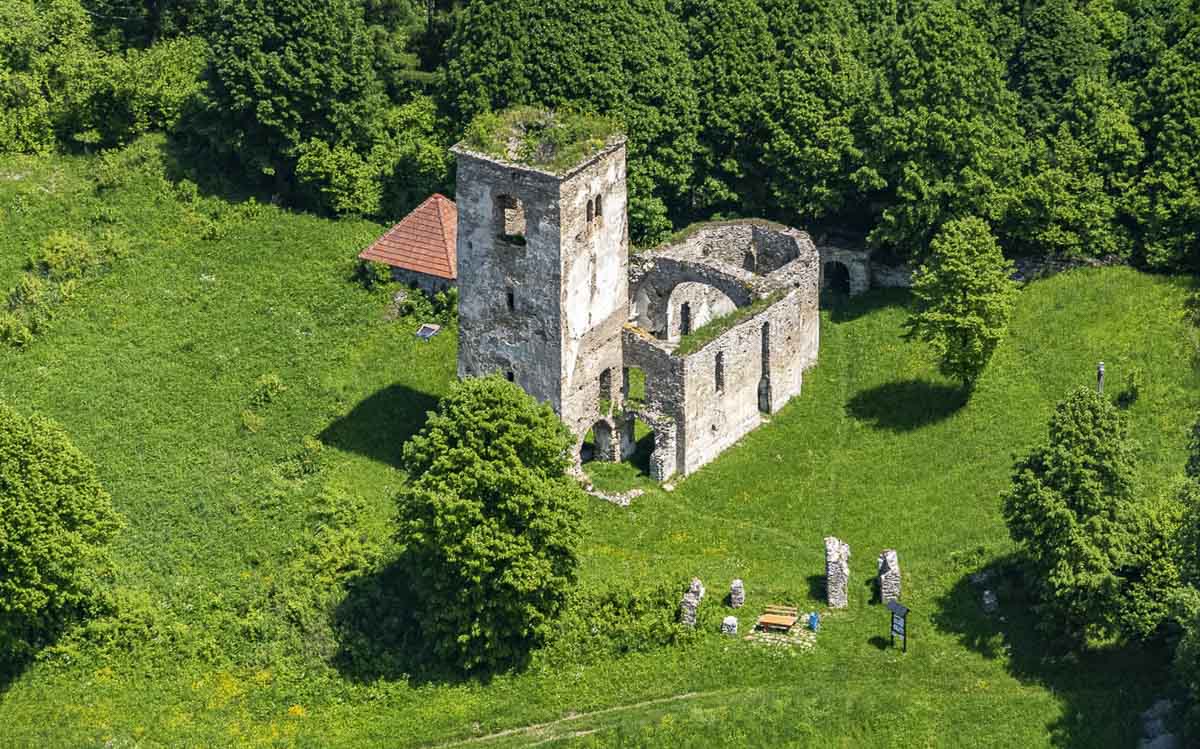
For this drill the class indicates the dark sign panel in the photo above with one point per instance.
(899, 623)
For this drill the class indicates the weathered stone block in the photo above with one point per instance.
(737, 594)
(837, 572)
(687, 609)
(729, 625)
(889, 576)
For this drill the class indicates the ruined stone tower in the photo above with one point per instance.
(543, 257)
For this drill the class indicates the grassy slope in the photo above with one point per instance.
(151, 367)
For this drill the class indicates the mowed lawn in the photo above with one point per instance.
(152, 367)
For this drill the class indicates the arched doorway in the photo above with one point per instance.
(835, 278)
(597, 444)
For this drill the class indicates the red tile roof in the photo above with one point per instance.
(424, 241)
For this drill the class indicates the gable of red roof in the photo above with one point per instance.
(425, 241)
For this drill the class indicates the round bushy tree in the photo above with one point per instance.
(55, 522)
(964, 297)
(489, 525)
(1071, 508)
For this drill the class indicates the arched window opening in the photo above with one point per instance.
(606, 391)
(599, 211)
(590, 211)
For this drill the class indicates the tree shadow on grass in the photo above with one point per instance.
(10, 671)
(844, 308)
(908, 404)
(379, 637)
(379, 425)
(1101, 692)
(378, 633)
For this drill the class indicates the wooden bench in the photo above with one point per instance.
(778, 618)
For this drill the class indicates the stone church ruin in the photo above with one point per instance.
(719, 325)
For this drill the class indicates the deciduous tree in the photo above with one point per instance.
(1071, 508)
(55, 522)
(964, 297)
(489, 524)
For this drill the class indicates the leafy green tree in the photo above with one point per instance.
(1169, 190)
(730, 41)
(626, 58)
(1071, 508)
(815, 163)
(945, 141)
(1075, 200)
(964, 298)
(55, 522)
(1060, 44)
(490, 524)
(281, 74)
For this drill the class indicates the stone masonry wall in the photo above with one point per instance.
(594, 295)
(525, 340)
(713, 419)
(760, 360)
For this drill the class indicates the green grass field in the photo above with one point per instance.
(236, 560)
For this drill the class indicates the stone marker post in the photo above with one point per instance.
(737, 594)
(729, 625)
(889, 576)
(837, 572)
(687, 609)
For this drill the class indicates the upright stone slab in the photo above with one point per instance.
(697, 589)
(687, 609)
(737, 594)
(729, 625)
(837, 572)
(889, 576)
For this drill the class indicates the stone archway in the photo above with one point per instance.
(597, 445)
(835, 277)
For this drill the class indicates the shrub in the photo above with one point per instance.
(490, 524)
(64, 256)
(267, 388)
(372, 274)
(619, 619)
(55, 522)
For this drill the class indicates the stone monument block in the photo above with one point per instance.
(837, 572)
(729, 625)
(737, 594)
(687, 609)
(889, 576)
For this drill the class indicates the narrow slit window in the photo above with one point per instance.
(720, 371)
(591, 208)
(685, 318)
(510, 300)
(599, 207)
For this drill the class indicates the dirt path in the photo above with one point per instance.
(537, 728)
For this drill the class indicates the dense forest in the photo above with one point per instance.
(1072, 127)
